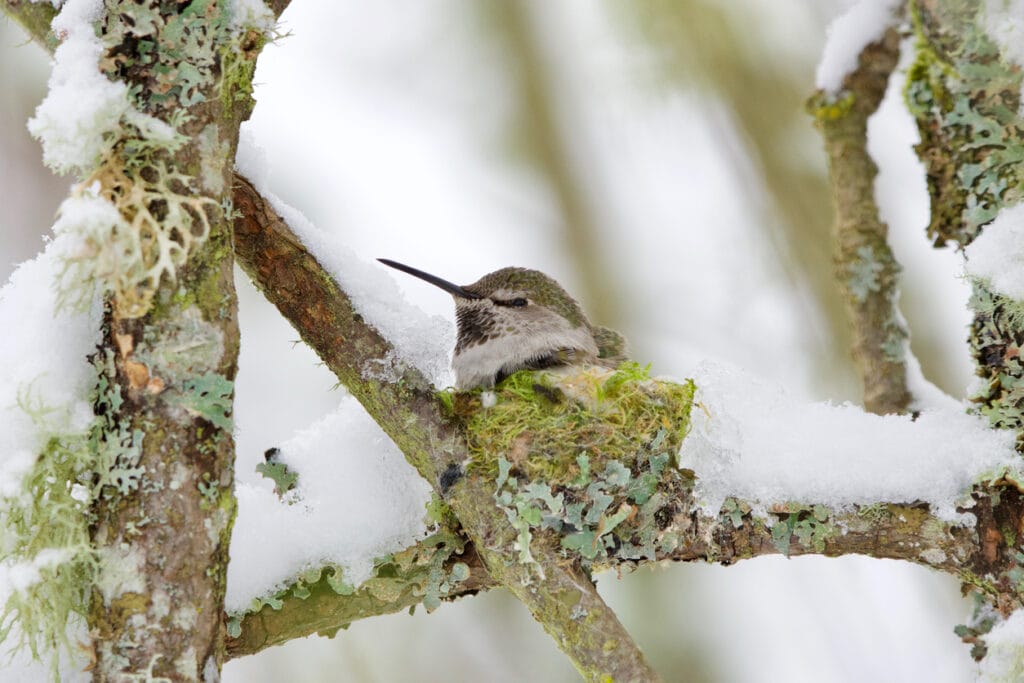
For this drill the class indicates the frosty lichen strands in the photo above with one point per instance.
(144, 103)
(102, 130)
(138, 226)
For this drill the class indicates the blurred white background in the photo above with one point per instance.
(652, 156)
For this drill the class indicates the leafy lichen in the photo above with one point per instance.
(966, 102)
(586, 456)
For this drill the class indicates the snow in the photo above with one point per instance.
(847, 36)
(423, 340)
(20, 576)
(82, 110)
(45, 365)
(357, 499)
(1004, 22)
(1004, 662)
(82, 114)
(997, 254)
(251, 13)
(45, 368)
(753, 441)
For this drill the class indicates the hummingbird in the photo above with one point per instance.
(519, 319)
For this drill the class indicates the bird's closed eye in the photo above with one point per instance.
(517, 302)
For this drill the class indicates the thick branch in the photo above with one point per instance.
(291, 276)
(866, 269)
(413, 417)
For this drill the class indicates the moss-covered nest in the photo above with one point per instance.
(587, 454)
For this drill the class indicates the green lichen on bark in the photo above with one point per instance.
(425, 573)
(966, 101)
(996, 337)
(176, 340)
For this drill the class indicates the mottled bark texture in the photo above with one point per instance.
(162, 537)
(168, 360)
(866, 270)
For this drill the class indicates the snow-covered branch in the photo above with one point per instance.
(744, 488)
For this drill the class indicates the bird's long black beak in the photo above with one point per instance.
(449, 287)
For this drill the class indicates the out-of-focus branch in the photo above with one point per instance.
(704, 45)
(549, 145)
(35, 18)
(866, 269)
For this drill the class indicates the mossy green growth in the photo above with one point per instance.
(284, 477)
(826, 108)
(416, 574)
(44, 527)
(541, 421)
(588, 456)
(811, 526)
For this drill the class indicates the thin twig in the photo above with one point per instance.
(866, 270)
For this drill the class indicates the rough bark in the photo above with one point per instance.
(163, 518)
(163, 540)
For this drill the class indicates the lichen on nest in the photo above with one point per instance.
(585, 454)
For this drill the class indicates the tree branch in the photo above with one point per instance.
(35, 18)
(410, 413)
(866, 269)
(324, 610)
(972, 141)
(290, 277)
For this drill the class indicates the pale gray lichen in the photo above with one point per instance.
(863, 274)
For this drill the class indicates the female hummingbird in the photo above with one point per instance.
(519, 319)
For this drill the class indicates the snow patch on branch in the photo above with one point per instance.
(83, 111)
(751, 440)
(422, 340)
(251, 13)
(45, 377)
(847, 36)
(357, 499)
(997, 254)
(1004, 23)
